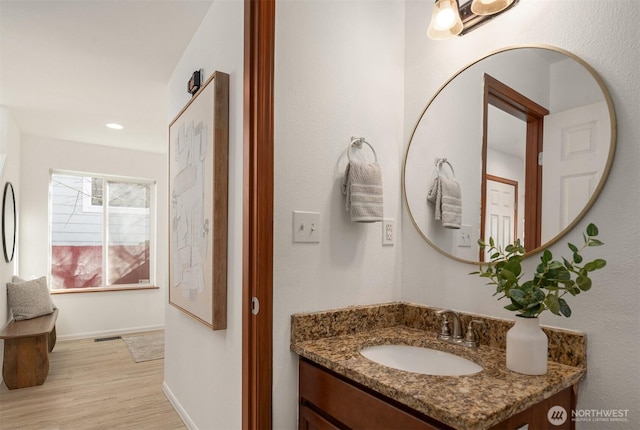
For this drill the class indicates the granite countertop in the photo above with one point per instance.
(477, 401)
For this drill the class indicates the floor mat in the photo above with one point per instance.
(145, 347)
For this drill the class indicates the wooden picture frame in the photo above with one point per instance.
(198, 189)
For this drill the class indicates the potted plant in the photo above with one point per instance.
(552, 281)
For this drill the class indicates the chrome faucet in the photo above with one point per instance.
(469, 340)
(445, 334)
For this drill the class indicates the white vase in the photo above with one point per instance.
(527, 347)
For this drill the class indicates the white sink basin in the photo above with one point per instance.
(420, 360)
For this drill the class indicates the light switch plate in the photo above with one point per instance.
(306, 227)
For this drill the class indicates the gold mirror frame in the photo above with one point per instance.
(598, 188)
(9, 222)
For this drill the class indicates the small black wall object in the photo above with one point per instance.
(194, 83)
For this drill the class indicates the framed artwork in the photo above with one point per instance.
(198, 183)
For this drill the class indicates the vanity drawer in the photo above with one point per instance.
(336, 403)
(311, 420)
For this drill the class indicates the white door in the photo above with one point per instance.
(576, 146)
(500, 213)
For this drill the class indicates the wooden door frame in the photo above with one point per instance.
(512, 102)
(257, 225)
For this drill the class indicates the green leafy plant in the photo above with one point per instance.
(552, 281)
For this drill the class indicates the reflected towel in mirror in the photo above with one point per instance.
(362, 186)
(446, 195)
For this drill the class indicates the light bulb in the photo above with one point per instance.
(445, 19)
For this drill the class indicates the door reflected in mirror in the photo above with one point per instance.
(533, 137)
(512, 147)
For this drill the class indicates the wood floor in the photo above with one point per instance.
(91, 386)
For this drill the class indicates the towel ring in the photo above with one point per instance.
(357, 142)
(440, 162)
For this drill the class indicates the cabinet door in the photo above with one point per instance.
(352, 406)
(556, 408)
(309, 420)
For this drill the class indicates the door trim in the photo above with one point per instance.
(512, 102)
(257, 225)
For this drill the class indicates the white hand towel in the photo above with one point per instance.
(362, 186)
(446, 195)
(435, 196)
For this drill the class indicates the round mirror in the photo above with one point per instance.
(516, 145)
(8, 222)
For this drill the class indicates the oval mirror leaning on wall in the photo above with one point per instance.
(9, 222)
(529, 132)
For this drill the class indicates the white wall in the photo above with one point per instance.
(571, 86)
(605, 37)
(100, 313)
(339, 73)
(9, 146)
(203, 373)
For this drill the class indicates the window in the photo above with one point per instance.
(101, 231)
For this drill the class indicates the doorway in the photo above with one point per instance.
(257, 225)
(501, 96)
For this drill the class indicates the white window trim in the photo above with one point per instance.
(87, 196)
(153, 215)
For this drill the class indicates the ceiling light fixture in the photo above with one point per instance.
(114, 126)
(448, 19)
(489, 7)
(445, 20)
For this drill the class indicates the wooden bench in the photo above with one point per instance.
(27, 344)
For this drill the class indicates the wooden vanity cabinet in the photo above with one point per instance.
(536, 417)
(328, 401)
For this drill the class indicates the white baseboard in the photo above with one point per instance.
(184, 416)
(107, 333)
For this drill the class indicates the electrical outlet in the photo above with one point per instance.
(388, 231)
(464, 236)
(306, 227)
